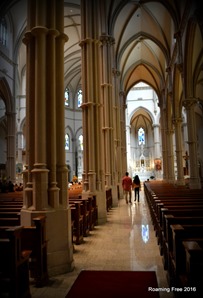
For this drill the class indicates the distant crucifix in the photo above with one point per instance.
(186, 158)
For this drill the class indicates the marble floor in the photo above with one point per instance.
(126, 242)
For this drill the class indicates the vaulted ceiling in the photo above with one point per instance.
(143, 32)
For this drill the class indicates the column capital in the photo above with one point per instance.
(116, 73)
(189, 102)
(28, 36)
(107, 39)
(169, 131)
(155, 125)
(39, 30)
(177, 120)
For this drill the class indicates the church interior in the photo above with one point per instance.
(90, 90)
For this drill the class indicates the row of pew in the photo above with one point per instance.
(84, 212)
(177, 216)
(23, 249)
(84, 216)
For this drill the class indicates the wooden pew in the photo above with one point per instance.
(167, 237)
(34, 239)
(108, 199)
(194, 262)
(84, 212)
(77, 221)
(14, 270)
(8, 221)
(177, 258)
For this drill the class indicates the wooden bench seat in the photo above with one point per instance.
(85, 214)
(167, 237)
(194, 262)
(34, 239)
(14, 264)
(9, 221)
(177, 257)
(77, 222)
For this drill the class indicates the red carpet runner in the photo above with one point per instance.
(115, 284)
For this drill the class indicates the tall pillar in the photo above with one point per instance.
(109, 114)
(123, 107)
(170, 155)
(106, 100)
(189, 104)
(117, 132)
(179, 154)
(92, 107)
(156, 141)
(45, 190)
(11, 146)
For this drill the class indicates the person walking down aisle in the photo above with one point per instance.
(127, 187)
(136, 186)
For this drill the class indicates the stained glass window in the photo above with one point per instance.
(79, 97)
(141, 136)
(3, 31)
(66, 97)
(81, 142)
(67, 142)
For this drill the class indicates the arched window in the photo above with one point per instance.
(80, 142)
(66, 97)
(141, 136)
(3, 31)
(79, 97)
(67, 142)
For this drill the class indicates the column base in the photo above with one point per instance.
(101, 204)
(59, 236)
(114, 190)
(194, 183)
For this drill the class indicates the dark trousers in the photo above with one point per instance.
(137, 193)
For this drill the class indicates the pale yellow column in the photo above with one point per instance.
(164, 143)
(40, 172)
(29, 41)
(179, 154)
(123, 107)
(92, 107)
(195, 182)
(106, 99)
(117, 131)
(170, 155)
(11, 146)
(45, 112)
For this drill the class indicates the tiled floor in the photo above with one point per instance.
(126, 242)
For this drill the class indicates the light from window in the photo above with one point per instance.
(66, 97)
(79, 97)
(80, 142)
(141, 136)
(3, 31)
(67, 142)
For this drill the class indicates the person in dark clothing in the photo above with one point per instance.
(136, 186)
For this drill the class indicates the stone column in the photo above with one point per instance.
(156, 141)
(109, 114)
(106, 100)
(117, 132)
(92, 107)
(179, 154)
(189, 104)
(123, 107)
(170, 155)
(45, 178)
(61, 168)
(11, 146)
